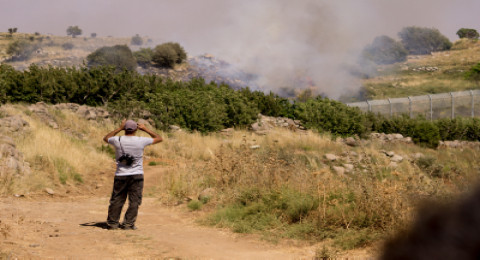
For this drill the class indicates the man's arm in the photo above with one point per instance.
(156, 137)
(115, 132)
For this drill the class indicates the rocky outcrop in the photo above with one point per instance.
(87, 112)
(266, 123)
(390, 138)
(11, 160)
(13, 124)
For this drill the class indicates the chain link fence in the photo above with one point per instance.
(435, 106)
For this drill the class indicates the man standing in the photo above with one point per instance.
(129, 174)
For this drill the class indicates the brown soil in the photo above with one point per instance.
(56, 227)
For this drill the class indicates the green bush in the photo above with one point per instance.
(420, 40)
(21, 49)
(467, 33)
(144, 57)
(385, 50)
(332, 116)
(168, 54)
(194, 205)
(474, 73)
(119, 56)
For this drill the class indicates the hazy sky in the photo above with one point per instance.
(279, 38)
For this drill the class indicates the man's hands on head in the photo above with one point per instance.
(141, 126)
(122, 125)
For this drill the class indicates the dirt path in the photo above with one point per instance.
(70, 229)
(74, 228)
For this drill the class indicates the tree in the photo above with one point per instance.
(385, 50)
(467, 33)
(136, 40)
(119, 56)
(420, 40)
(93, 35)
(144, 57)
(74, 31)
(168, 54)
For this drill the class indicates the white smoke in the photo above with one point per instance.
(292, 44)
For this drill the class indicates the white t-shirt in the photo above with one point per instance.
(134, 146)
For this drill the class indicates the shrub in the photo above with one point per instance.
(427, 133)
(474, 73)
(119, 56)
(419, 40)
(67, 46)
(93, 35)
(467, 33)
(21, 49)
(385, 50)
(194, 205)
(136, 40)
(168, 54)
(144, 57)
(332, 116)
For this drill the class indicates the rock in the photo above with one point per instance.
(49, 191)
(13, 123)
(418, 155)
(174, 128)
(392, 165)
(255, 146)
(396, 158)
(348, 167)
(353, 153)
(350, 141)
(145, 122)
(397, 136)
(206, 194)
(390, 153)
(330, 157)
(339, 170)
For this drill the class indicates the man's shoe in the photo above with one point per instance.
(128, 227)
(112, 227)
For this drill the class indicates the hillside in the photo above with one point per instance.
(336, 193)
(281, 179)
(425, 74)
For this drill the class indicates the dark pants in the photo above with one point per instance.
(123, 186)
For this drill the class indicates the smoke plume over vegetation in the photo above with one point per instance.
(289, 44)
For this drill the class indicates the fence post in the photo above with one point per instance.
(391, 109)
(431, 107)
(410, 106)
(453, 105)
(369, 106)
(473, 103)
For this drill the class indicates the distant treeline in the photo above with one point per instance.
(206, 107)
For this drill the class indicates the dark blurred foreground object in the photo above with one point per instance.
(440, 232)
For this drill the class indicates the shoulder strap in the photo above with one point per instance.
(121, 147)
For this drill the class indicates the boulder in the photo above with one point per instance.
(330, 157)
(396, 158)
(350, 141)
(339, 170)
(13, 123)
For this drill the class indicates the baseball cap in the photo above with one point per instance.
(130, 125)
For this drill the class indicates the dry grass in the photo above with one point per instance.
(399, 80)
(60, 158)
